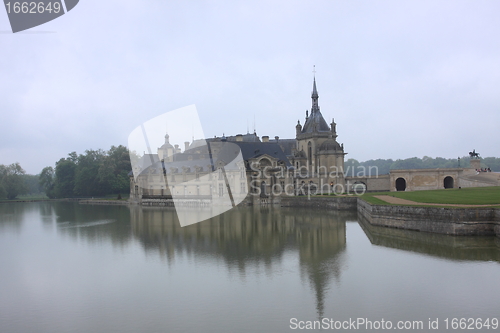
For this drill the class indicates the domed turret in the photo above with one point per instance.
(330, 144)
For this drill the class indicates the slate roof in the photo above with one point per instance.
(255, 149)
(226, 153)
(330, 144)
(286, 145)
(315, 120)
(249, 137)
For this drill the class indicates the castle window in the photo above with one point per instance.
(309, 154)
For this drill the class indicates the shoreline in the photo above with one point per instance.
(463, 220)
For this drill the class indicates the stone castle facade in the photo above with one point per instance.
(267, 169)
(312, 162)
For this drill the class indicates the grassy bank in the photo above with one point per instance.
(464, 196)
(22, 198)
(40, 197)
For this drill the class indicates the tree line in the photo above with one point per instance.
(385, 165)
(100, 173)
(94, 173)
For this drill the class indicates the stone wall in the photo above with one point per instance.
(451, 221)
(103, 202)
(497, 226)
(338, 203)
(464, 182)
(425, 179)
(378, 184)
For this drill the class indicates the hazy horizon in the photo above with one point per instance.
(401, 79)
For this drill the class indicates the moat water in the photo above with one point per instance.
(66, 267)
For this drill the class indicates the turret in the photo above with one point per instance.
(333, 127)
(298, 128)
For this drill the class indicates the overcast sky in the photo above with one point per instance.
(401, 78)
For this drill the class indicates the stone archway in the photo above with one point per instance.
(400, 184)
(448, 182)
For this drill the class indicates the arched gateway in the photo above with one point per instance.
(448, 182)
(400, 184)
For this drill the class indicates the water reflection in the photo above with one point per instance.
(252, 236)
(437, 245)
(93, 223)
(11, 216)
(62, 258)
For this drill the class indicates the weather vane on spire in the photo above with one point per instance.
(314, 70)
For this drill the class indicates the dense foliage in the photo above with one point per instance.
(95, 173)
(12, 182)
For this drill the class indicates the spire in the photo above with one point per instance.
(314, 120)
(314, 96)
(315, 92)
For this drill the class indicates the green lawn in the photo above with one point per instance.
(465, 196)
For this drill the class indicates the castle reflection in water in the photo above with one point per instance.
(248, 237)
(254, 237)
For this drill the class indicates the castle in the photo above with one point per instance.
(245, 168)
(313, 162)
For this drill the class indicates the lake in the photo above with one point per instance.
(67, 267)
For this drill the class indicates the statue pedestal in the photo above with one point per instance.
(475, 164)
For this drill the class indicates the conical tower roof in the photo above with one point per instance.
(315, 122)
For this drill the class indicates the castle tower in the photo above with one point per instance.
(317, 147)
(166, 151)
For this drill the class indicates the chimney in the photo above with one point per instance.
(186, 145)
(239, 138)
(176, 150)
(277, 138)
(265, 138)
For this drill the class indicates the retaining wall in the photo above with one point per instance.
(451, 221)
(104, 202)
(338, 203)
